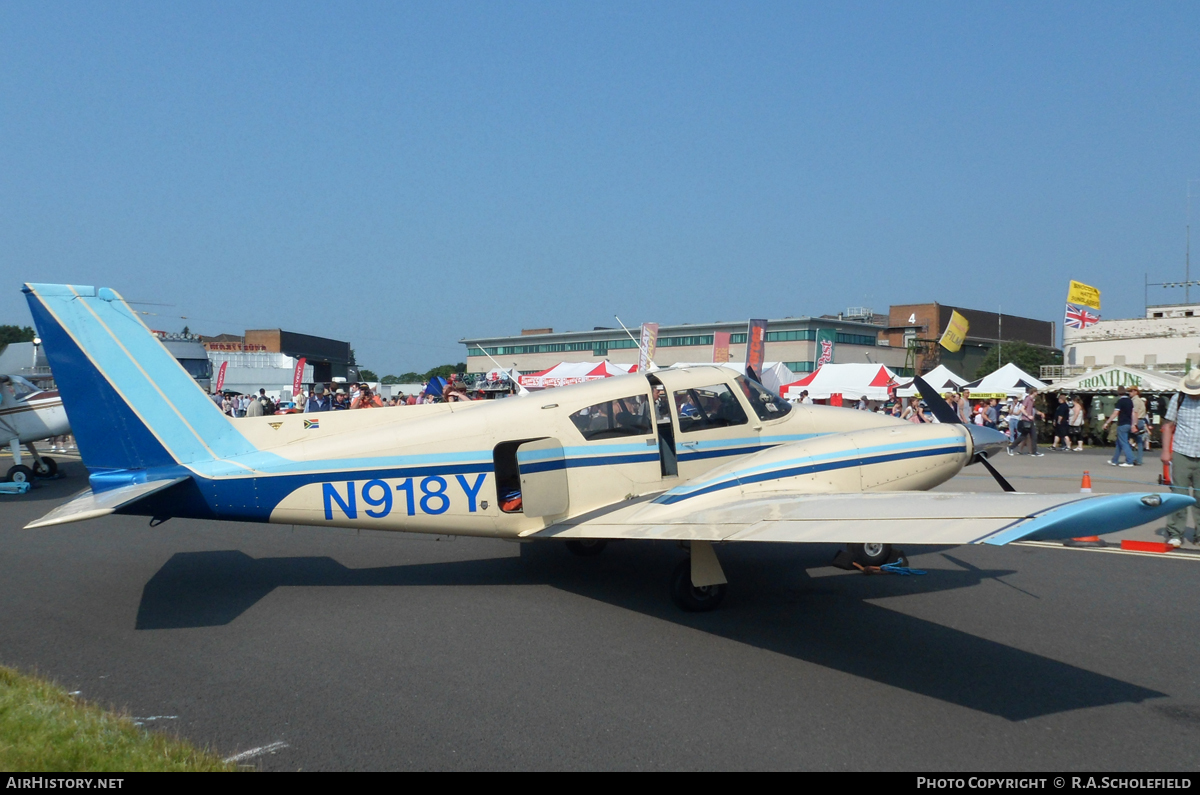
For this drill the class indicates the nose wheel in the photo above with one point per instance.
(19, 474)
(871, 554)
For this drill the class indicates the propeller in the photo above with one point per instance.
(983, 439)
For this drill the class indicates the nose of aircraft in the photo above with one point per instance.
(985, 440)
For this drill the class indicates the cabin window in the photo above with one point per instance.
(629, 416)
(708, 407)
(766, 404)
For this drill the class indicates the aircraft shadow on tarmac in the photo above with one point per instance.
(775, 606)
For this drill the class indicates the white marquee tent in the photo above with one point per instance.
(941, 378)
(774, 375)
(574, 373)
(1008, 381)
(1106, 381)
(851, 381)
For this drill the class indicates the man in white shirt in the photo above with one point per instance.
(1181, 449)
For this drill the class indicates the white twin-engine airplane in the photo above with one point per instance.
(701, 455)
(27, 415)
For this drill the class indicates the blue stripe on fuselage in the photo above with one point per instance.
(674, 496)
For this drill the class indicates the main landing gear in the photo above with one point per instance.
(43, 466)
(586, 547)
(698, 584)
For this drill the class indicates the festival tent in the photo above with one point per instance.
(1008, 381)
(851, 381)
(774, 375)
(941, 378)
(574, 373)
(1106, 381)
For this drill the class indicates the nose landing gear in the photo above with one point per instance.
(871, 554)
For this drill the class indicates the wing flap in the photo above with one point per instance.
(89, 504)
(887, 517)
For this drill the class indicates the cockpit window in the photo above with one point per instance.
(628, 416)
(708, 407)
(766, 404)
(20, 387)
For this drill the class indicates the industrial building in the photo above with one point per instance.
(905, 340)
(267, 359)
(1166, 339)
(792, 341)
(918, 327)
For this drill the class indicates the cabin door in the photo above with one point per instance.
(543, 468)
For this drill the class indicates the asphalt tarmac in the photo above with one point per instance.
(340, 650)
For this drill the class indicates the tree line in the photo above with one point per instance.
(442, 370)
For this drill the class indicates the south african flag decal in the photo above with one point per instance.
(311, 425)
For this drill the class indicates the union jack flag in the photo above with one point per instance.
(1080, 318)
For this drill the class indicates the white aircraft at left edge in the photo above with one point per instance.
(701, 455)
(27, 415)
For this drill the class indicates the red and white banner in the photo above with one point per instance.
(574, 373)
(221, 376)
(298, 378)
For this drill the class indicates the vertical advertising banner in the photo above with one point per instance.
(1080, 298)
(721, 347)
(756, 347)
(221, 376)
(826, 337)
(298, 377)
(648, 344)
(956, 332)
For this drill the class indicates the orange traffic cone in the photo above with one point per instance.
(1085, 541)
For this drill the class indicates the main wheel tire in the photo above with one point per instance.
(46, 468)
(871, 554)
(20, 474)
(586, 547)
(690, 598)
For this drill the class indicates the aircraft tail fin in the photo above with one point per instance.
(131, 405)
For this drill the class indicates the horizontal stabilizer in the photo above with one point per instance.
(900, 517)
(89, 505)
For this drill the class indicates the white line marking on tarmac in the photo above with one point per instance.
(1192, 556)
(141, 721)
(253, 752)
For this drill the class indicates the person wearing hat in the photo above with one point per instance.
(1181, 449)
(317, 402)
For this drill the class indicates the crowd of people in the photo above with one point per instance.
(332, 397)
(1021, 419)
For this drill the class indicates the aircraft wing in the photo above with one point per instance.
(901, 517)
(89, 504)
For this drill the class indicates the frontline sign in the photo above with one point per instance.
(1111, 379)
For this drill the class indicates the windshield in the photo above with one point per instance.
(766, 404)
(197, 368)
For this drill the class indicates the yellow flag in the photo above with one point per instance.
(1081, 294)
(955, 333)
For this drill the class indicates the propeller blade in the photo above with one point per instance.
(937, 404)
(1004, 484)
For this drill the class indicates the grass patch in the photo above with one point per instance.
(45, 729)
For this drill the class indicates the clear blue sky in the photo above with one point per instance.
(405, 174)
